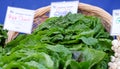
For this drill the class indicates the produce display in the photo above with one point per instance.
(74, 41)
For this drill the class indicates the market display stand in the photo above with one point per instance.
(42, 14)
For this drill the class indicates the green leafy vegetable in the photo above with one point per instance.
(74, 41)
(3, 36)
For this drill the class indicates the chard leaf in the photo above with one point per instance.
(75, 17)
(89, 41)
(35, 65)
(48, 61)
(91, 57)
(59, 48)
(104, 45)
(75, 65)
(16, 65)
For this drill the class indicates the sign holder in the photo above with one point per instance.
(62, 8)
(19, 20)
(115, 27)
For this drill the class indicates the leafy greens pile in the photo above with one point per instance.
(75, 41)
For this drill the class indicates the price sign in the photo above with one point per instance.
(115, 28)
(19, 20)
(62, 8)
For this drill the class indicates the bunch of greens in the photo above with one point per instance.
(74, 41)
(3, 36)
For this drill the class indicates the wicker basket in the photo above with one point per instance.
(41, 15)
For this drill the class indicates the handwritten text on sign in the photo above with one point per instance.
(19, 20)
(62, 8)
(115, 28)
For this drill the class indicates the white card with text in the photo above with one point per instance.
(19, 20)
(115, 27)
(62, 8)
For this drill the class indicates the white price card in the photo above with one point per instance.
(115, 27)
(19, 20)
(62, 8)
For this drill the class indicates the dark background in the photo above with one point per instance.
(107, 5)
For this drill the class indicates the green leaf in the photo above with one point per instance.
(104, 45)
(91, 57)
(59, 48)
(75, 65)
(89, 41)
(35, 65)
(48, 61)
(13, 64)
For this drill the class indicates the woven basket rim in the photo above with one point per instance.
(82, 6)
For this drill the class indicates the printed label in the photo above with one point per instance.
(19, 20)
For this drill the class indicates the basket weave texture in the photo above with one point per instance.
(41, 14)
